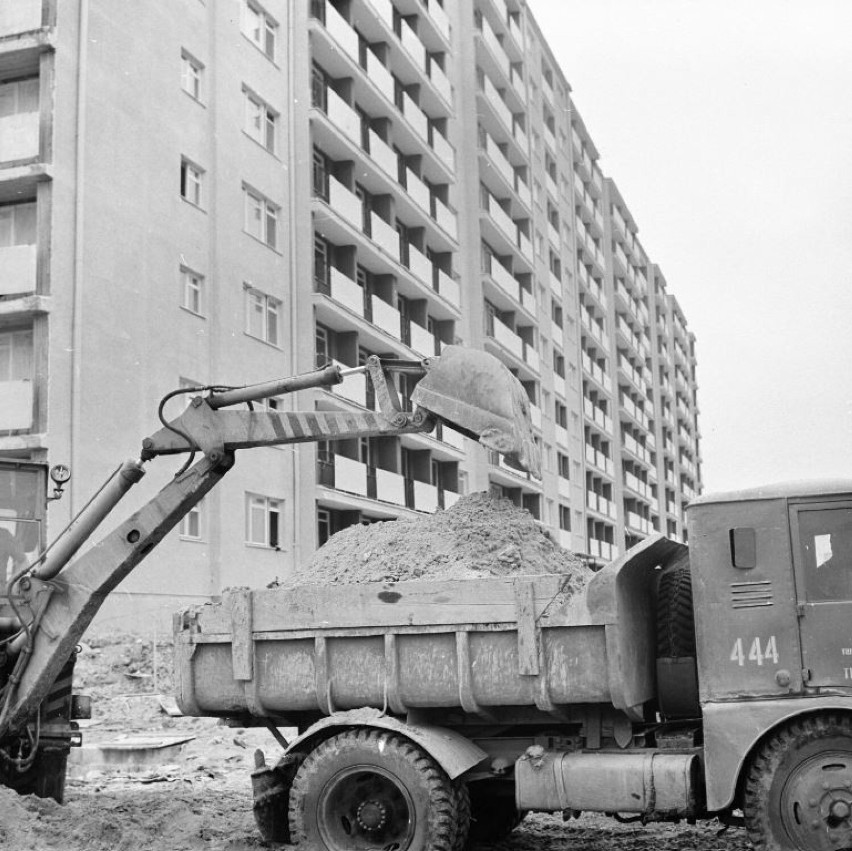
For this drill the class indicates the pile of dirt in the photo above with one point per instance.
(480, 536)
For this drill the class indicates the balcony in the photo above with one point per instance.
(415, 117)
(448, 287)
(412, 44)
(344, 117)
(638, 523)
(418, 191)
(425, 496)
(348, 475)
(532, 358)
(345, 203)
(443, 150)
(496, 48)
(19, 16)
(501, 218)
(16, 405)
(339, 29)
(440, 81)
(504, 279)
(18, 269)
(19, 137)
(507, 338)
(493, 96)
(422, 341)
(380, 75)
(498, 158)
(346, 292)
(439, 16)
(384, 235)
(390, 487)
(386, 317)
(446, 218)
(384, 155)
(535, 415)
(420, 265)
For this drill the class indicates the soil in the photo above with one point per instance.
(201, 798)
(480, 536)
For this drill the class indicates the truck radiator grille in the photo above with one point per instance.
(750, 595)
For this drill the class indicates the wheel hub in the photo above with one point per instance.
(372, 815)
(817, 802)
(363, 807)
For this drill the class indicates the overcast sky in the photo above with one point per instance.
(727, 126)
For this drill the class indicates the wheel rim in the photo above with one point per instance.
(366, 808)
(816, 803)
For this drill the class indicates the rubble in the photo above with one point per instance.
(479, 537)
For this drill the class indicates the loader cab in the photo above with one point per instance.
(772, 588)
(23, 503)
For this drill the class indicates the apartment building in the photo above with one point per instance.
(246, 190)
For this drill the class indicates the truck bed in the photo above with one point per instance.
(469, 644)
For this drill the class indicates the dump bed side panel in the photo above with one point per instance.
(522, 641)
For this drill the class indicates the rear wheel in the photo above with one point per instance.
(675, 618)
(368, 789)
(798, 793)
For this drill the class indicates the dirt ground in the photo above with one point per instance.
(200, 798)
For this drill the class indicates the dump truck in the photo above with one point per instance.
(677, 684)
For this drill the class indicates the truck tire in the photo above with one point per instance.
(675, 618)
(493, 815)
(365, 789)
(798, 790)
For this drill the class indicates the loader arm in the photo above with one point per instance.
(56, 599)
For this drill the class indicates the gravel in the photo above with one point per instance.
(479, 537)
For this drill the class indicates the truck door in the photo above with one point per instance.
(822, 547)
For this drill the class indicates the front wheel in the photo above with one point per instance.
(798, 792)
(367, 789)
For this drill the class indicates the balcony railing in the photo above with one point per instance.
(16, 406)
(19, 136)
(19, 16)
(18, 269)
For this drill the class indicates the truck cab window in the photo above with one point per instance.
(825, 538)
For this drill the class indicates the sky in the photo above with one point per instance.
(727, 126)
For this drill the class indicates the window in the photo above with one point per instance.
(825, 540)
(262, 316)
(191, 525)
(17, 224)
(261, 218)
(319, 88)
(321, 171)
(563, 465)
(565, 518)
(322, 346)
(263, 521)
(322, 265)
(191, 177)
(19, 97)
(192, 286)
(190, 75)
(259, 28)
(261, 121)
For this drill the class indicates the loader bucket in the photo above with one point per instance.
(472, 392)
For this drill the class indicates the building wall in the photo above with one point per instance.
(450, 121)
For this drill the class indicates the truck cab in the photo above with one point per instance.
(771, 575)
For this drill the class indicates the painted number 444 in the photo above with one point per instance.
(756, 653)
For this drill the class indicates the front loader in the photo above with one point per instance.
(48, 604)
